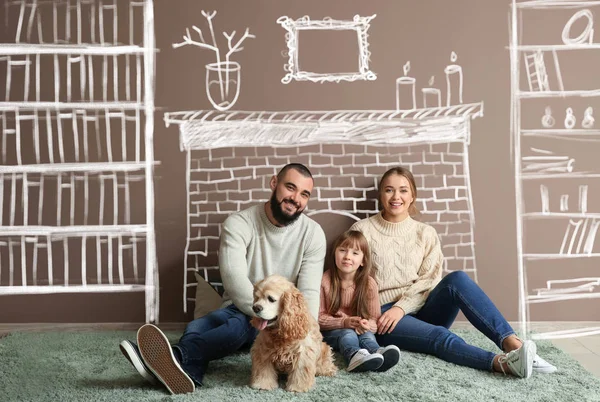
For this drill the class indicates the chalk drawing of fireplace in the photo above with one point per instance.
(232, 155)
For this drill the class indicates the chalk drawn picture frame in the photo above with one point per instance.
(294, 27)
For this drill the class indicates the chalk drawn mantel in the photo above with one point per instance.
(346, 150)
(210, 129)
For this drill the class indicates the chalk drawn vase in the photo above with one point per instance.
(223, 84)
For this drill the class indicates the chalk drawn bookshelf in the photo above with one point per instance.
(76, 124)
(555, 139)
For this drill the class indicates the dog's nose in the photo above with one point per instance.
(257, 308)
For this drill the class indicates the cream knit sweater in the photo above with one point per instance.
(407, 257)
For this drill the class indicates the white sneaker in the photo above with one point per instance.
(542, 366)
(365, 361)
(520, 361)
(391, 356)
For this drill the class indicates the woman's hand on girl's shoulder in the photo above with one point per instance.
(388, 320)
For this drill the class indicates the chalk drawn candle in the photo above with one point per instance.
(432, 97)
(405, 90)
(454, 82)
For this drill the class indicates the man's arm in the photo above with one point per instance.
(311, 271)
(235, 237)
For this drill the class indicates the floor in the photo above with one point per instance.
(585, 349)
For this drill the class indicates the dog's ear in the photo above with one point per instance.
(293, 320)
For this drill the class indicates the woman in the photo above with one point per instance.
(418, 306)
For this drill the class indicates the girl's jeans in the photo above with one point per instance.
(348, 342)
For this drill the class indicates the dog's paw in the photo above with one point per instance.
(298, 388)
(329, 371)
(264, 385)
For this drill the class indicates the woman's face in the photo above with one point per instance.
(396, 197)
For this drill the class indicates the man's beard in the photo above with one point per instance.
(280, 216)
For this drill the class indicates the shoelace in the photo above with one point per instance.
(502, 360)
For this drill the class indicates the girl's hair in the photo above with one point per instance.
(400, 171)
(353, 239)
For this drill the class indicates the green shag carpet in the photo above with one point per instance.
(88, 366)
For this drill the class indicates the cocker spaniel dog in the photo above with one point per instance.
(289, 341)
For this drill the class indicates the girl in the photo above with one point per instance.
(418, 305)
(350, 306)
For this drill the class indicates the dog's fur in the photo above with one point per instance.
(289, 341)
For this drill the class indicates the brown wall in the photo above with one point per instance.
(423, 32)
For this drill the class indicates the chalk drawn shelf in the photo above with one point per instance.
(572, 175)
(13, 49)
(77, 159)
(52, 106)
(558, 298)
(558, 94)
(560, 215)
(545, 153)
(563, 133)
(558, 256)
(550, 48)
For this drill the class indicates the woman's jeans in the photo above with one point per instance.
(427, 330)
(213, 337)
(348, 342)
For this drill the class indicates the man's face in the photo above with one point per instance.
(290, 196)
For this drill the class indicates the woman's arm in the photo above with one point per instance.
(429, 274)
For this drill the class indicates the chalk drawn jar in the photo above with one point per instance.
(223, 84)
(588, 118)
(570, 119)
(547, 119)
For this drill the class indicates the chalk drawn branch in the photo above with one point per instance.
(294, 27)
(223, 78)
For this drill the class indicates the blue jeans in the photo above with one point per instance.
(348, 342)
(427, 330)
(213, 337)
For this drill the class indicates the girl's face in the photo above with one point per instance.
(348, 259)
(396, 197)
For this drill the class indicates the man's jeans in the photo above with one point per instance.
(212, 337)
(348, 342)
(427, 330)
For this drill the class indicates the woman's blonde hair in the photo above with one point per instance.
(359, 306)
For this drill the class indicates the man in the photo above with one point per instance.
(272, 238)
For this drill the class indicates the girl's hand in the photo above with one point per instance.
(364, 327)
(352, 322)
(388, 320)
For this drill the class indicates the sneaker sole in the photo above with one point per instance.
(531, 352)
(367, 365)
(548, 370)
(390, 358)
(131, 355)
(158, 355)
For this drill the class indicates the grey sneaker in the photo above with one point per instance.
(520, 361)
(365, 361)
(158, 356)
(542, 366)
(391, 356)
(131, 351)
